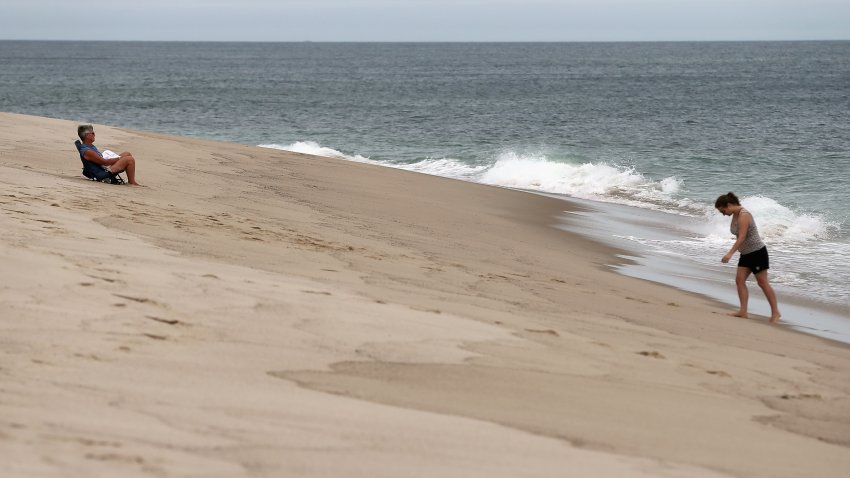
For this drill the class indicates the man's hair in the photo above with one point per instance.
(83, 129)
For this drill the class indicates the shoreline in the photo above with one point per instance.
(251, 309)
(806, 315)
(660, 232)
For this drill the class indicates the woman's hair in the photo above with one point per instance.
(83, 129)
(726, 199)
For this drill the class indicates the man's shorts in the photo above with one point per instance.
(755, 261)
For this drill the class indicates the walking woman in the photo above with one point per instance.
(753, 259)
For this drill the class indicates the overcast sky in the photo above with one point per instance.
(425, 20)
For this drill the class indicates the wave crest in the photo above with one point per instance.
(597, 181)
(315, 149)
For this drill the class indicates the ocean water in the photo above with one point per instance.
(657, 128)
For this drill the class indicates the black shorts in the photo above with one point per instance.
(755, 261)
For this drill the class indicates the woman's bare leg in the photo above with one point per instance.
(761, 278)
(743, 294)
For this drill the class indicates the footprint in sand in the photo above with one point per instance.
(164, 321)
(141, 300)
(116, 457)
(651, 353)
(801, 396)
(544, 331)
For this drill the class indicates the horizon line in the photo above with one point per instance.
(429, 41)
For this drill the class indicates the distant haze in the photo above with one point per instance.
(425, 20)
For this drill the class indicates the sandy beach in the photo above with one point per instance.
(253, 312)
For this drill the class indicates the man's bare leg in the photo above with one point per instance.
(126, 163)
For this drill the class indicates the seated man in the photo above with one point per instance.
(124, 162)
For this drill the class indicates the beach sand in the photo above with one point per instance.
(252, 312)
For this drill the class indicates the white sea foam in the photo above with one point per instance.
(450, 168)
(310, 147)
(597, 181)
(776, 223)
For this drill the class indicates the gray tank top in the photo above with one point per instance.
(752, 242)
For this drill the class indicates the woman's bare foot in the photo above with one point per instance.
(743, 315)
(775, 318)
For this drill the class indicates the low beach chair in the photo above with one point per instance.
(97, 172)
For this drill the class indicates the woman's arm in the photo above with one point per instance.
(743, 225)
